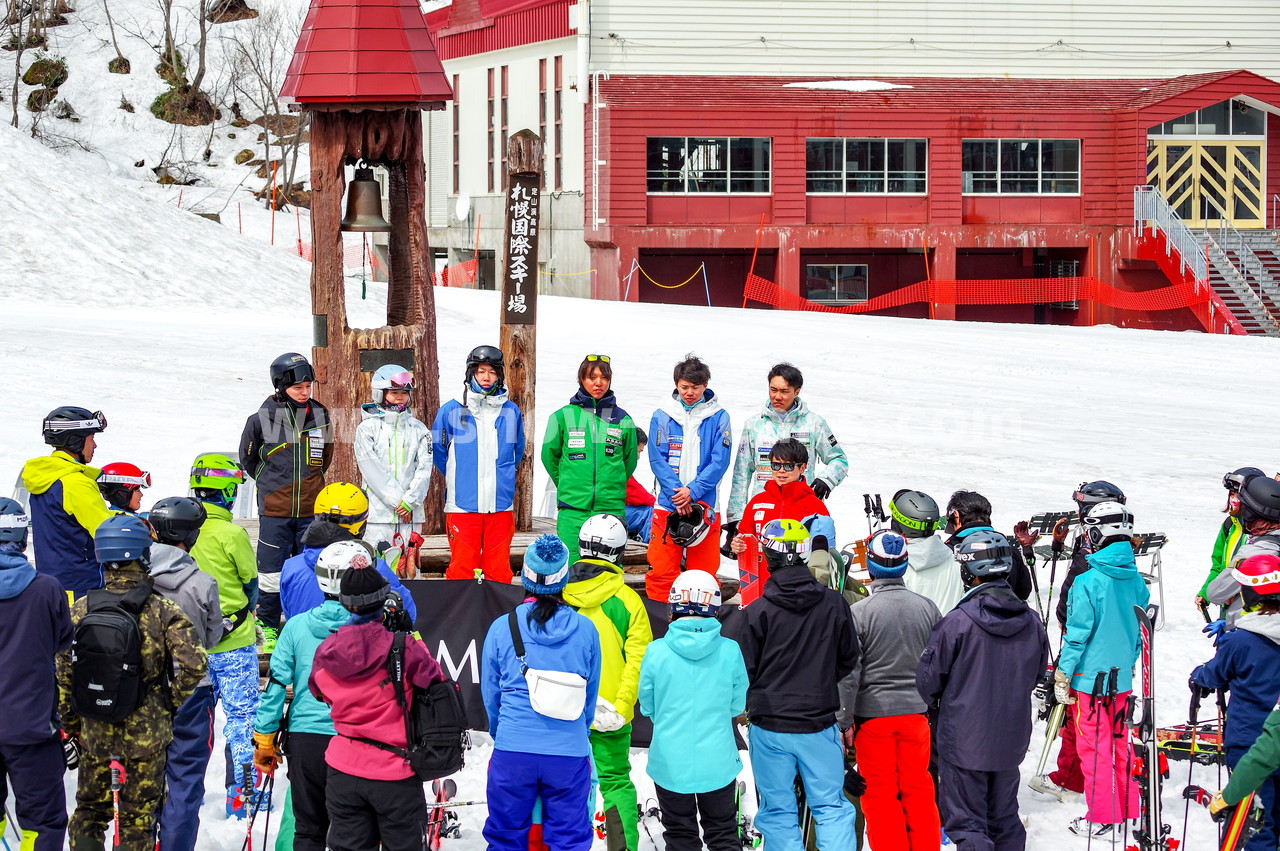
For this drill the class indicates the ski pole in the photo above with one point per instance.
(1193, 714)
(118, 779)
(1203, 606)
(432, 805)
(1099, 688)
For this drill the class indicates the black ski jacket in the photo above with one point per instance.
(286, 448)
(1079, 564)
(798, 642)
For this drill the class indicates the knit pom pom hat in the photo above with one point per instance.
(546, 566)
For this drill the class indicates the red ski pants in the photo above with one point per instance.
(664, 557)
(480, 541)
(1069, 774)
(899, 805)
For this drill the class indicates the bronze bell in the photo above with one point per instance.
(364, 205)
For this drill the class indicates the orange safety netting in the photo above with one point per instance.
(992, 291)
(459, 274)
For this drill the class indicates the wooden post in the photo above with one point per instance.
(519, 306)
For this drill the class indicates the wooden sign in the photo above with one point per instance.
(520, 249)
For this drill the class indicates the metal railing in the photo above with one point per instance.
(1149, 206)
(1250, 266)
(1275, 199)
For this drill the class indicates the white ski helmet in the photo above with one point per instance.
(390, 377)
(602, 536)
(1108, 522)
(695, 592)
(336, 559)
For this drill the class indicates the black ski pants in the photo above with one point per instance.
(980, 808)
(279, 538)
(365, 813)
(681, 812)
(308, 774)
(40, 804)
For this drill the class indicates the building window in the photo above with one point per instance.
(504, 128)
(491, 131)
(835, 283)
(1228, 118)
(867, 166)
(679, 164)
(559, 125)
(542, 115)
(457, 140)
(1020, 166)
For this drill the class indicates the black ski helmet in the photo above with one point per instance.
(1260, 500)
(289, 369)
(68, 426)
(177, 520)
(1234, 480)
(983, 553)
(1092, 493)
(491, 355)
(913, 514)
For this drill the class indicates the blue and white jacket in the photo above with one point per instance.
(690, 447)
(477, 447)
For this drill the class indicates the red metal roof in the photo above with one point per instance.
(364, 52)
(1003, 94)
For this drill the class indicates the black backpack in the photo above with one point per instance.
(435, 726)
(106, 655)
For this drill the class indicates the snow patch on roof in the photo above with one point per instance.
(847, 85)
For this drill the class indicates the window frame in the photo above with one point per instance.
(999, 172)
(885, 172)
(727, 171)
(866, 276)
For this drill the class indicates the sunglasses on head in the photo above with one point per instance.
(783, 465)
(594, 358)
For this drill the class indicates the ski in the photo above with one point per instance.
(747, 833)
(1201, 743)
(441, 823)
(1152, 834)
(1237, 823)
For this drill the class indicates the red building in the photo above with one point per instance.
(846, 190)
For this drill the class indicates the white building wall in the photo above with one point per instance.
(563, 256)
(943, 38)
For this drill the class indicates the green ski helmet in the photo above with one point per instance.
(216, 478)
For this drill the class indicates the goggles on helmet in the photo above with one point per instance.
(97, 422)
(143, 481)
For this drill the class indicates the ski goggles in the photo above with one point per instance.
(96, 422)
(14, 521)
(594, 358)
(343, 518)
(783, 465)
(400, 381)
(218, 473)
(142, 481)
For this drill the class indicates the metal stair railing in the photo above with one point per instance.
(1251, 265)
(1150, 206)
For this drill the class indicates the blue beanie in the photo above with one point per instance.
(886, 555)
(546, 566)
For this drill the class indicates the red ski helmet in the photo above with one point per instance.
(120, 480)
(1259, 577)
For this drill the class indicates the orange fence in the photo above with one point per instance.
(995, 291)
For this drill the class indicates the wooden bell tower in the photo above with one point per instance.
(365, 70)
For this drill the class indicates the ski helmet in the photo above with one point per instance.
(603, 536)
(15, 523)
(914, 514)
(1236, 478)
(289, 369)
(1106, 523)
(216, 477)
(345, 504)
(1092, 493)
(689, 530)
(784, 542)
(886, 555)
(695, 592)
(983, 553)
(1259, 501)
(1259, 578)
(335, 559)
(68, 426)
(390, 377)
(177, 520)
(491, 355)
(121, 539)
(119, 481)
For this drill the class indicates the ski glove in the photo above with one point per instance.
(1059, 535)
(1061, 688)
(265, 755)
(1214, 630)
(855, 785)
(730, 530)
(821, 489)
(607, 718)
(1022, 531)
(1217, 804)
(1198, 691)
(70, 751)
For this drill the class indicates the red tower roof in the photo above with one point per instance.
(354, 53)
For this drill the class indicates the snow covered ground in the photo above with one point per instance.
(167, 323)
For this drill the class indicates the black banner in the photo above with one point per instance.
(453, 618)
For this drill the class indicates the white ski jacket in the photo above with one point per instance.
(393, 450)
(933, 572)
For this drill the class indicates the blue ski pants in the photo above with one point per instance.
(235, 684)
(516, 780)
(776, 758)
(188, 757)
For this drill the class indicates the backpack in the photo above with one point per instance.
(106, 655)
(435, 725)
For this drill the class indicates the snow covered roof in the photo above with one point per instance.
(365, 52)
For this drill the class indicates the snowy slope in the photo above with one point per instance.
(167, 323)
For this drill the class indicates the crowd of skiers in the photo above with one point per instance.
(905, 703)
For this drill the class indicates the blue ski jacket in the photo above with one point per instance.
(1102, 630)
(477, 447)
(1248, 663)
(690, 446)
(693, 651)
(35, 626)
(299, 587)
